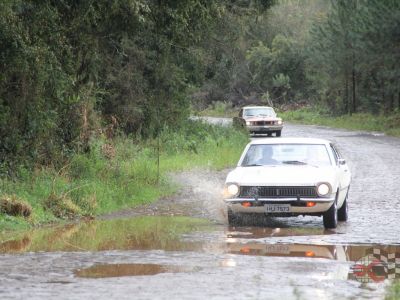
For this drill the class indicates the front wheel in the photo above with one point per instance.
(330, 217)
(278, 133)
(343, 212)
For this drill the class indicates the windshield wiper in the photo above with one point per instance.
(253, 165)
(294, 162)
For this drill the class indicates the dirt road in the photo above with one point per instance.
(182, 248)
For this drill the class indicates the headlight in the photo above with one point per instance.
(323, 189)
(232, 190)
(248, 123)
(279, 122)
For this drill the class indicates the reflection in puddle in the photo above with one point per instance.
(262, 232)
(121, 270)
(140, 233)
(370, 263)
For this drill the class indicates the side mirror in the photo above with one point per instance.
(341, 161)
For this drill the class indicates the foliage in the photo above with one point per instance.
(12, 206)
(220, 109)
(67, 66)
(356, 51)
(79, 77)
(390, 124)
(92, 184)
(73, 70)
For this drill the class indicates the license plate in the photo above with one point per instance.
(281, 249)
(277, 208)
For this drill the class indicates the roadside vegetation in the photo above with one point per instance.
(88, 88)
(218, 109)
(389, 124)
(117, 174)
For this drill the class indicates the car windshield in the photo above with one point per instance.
(287, 154)
(262, 111)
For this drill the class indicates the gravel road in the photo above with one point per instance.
(292, 258)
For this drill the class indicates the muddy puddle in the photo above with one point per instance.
(121, 270)
(365, 263)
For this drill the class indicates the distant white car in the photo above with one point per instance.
(259, 120)
(289, 177)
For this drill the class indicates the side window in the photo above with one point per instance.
(335, 153)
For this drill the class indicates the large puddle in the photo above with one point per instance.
(369, 263)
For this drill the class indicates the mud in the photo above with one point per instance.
(181, 247)
(121, 270)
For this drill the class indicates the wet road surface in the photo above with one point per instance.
(181, 247)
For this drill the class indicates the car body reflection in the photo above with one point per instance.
(369, 263)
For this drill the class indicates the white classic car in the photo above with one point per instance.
(289, 177)
(259, 120)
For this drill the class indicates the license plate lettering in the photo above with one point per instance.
(277, 208)
(283, 249)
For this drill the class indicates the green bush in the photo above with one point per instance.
(389, 124)
(94, 183)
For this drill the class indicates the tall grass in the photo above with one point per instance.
(120, 173)
(219, 109)
(390, 124)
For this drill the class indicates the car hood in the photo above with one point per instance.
(286, 175)
(261, 118)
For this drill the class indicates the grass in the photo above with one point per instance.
(100, 182)
(393, 291)
(389, 124)
(219, 109)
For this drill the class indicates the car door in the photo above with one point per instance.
(344, 174)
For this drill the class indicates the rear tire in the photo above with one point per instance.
(234, 219)
(330, 217)
(278, 133)
(343, 212)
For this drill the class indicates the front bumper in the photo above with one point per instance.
(264, 128)
(297, 205)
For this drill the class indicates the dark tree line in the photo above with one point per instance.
(70, 67)
(357, 48)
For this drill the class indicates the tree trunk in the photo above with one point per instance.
(346, 94)
(391, 103)
(353, 78)
(398, 101)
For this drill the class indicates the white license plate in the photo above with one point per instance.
(277, 208)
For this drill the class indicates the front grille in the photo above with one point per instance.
(277, 191)
(263, 123)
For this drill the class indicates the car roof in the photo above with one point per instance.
(289, 140)
(255, 106)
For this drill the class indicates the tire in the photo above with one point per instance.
(234, 219)
(278, 133)
(330, 217)
(343, 212)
